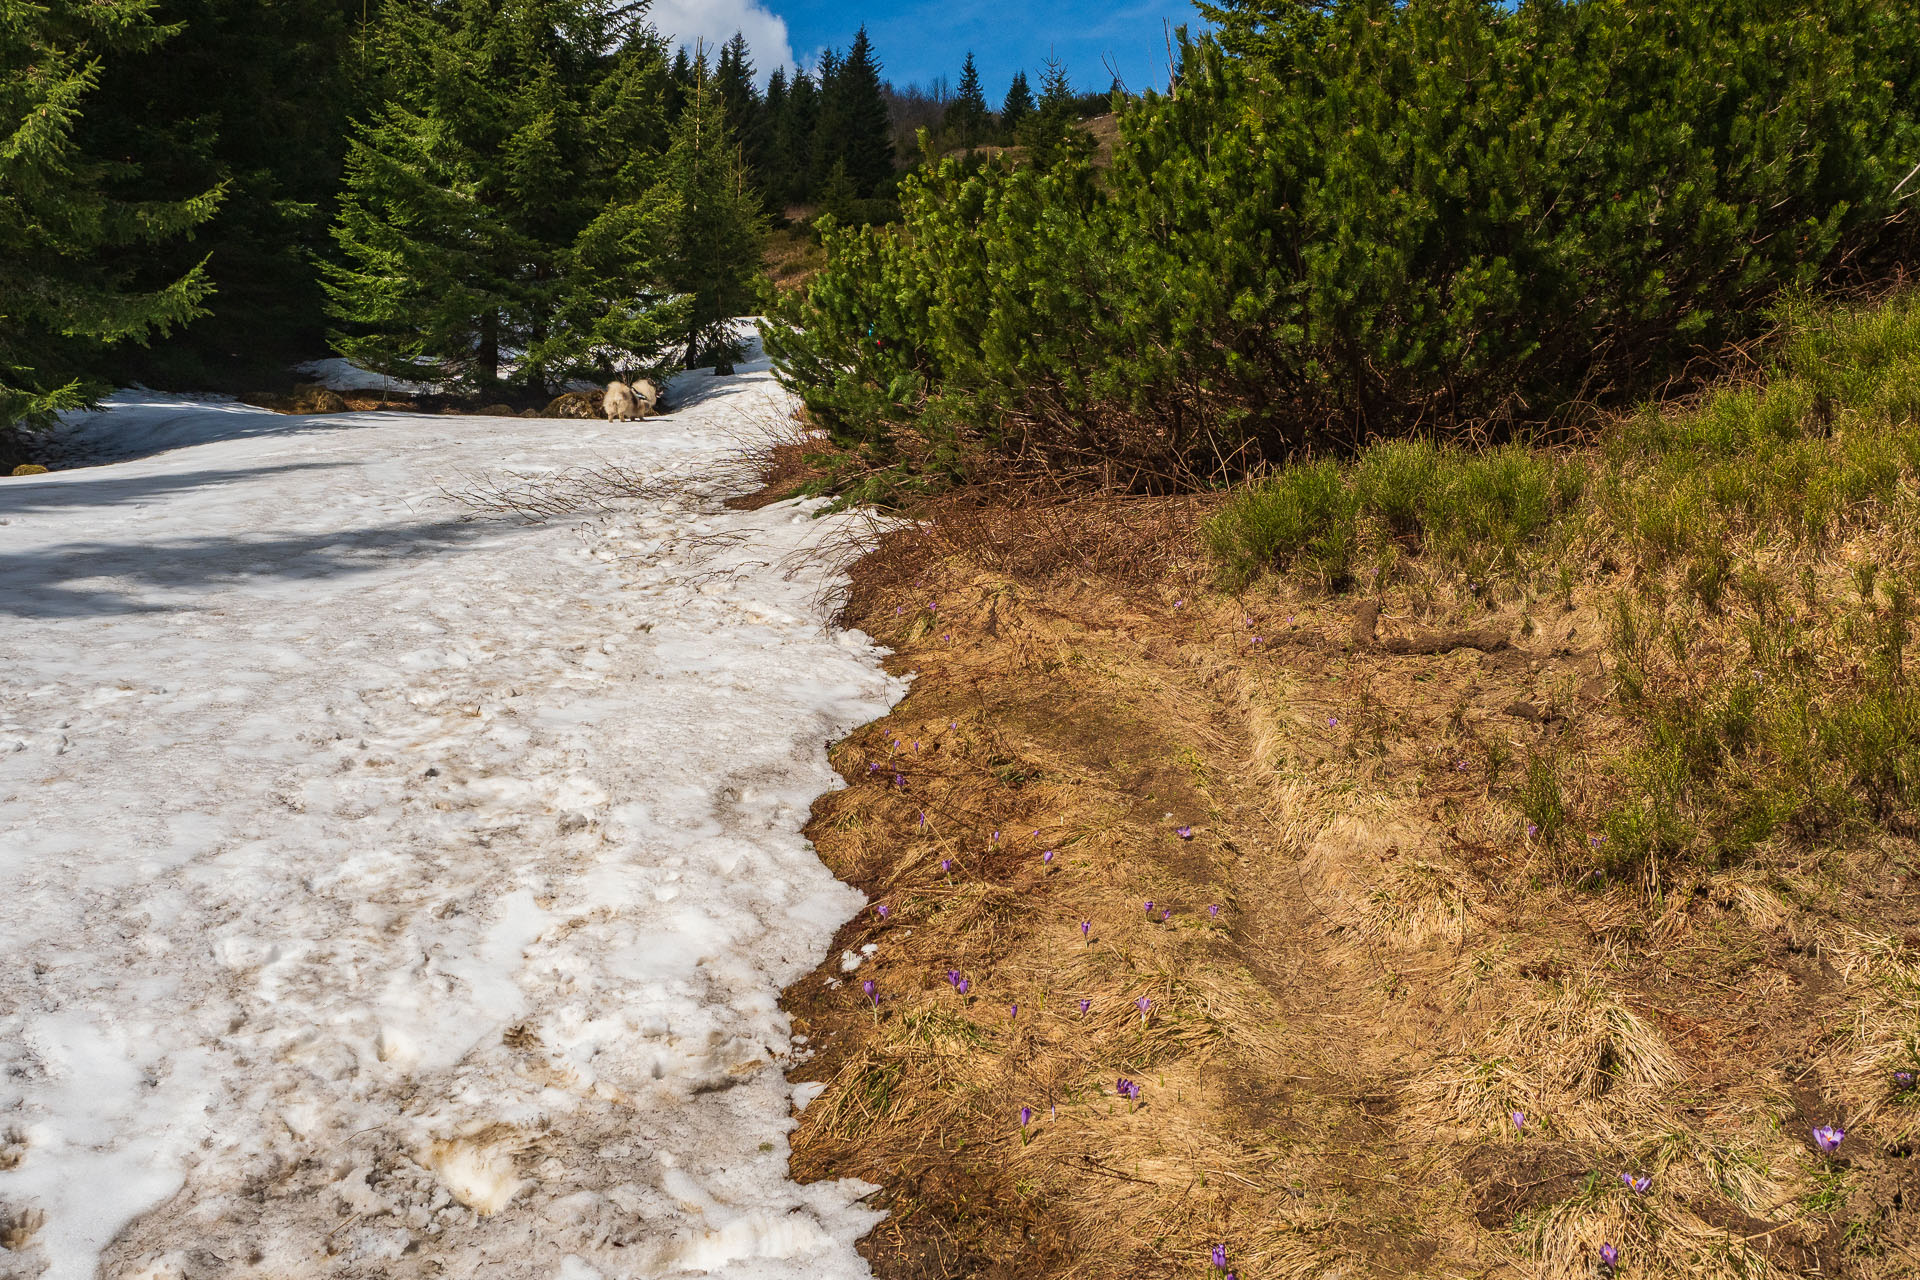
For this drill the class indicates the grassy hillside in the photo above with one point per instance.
(1514, 825)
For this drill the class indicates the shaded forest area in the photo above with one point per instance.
(489, 195)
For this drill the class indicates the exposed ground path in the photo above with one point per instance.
(392, 895)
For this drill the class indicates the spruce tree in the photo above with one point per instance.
(765, 159)
(734, 81)
(62, 295)
(716, 232)
(1017, 106)
(276, 135)
(486, 208)
(966, 121)
(793, 140)
(829, 143)
(678, 82)
(867, 144)
(1049, 133)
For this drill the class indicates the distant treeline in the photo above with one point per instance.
(839, 138)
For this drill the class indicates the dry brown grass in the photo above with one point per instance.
(793, 257)
(1330, 1063)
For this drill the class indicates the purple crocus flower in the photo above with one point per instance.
(1214, 911)
(1638, 1185)
(1085, 925)
(1127, 1089)
(1013, 1011)
(873, 992)
(1179, 604)
(899, 780)
(963, 986)
(923, 817)
(995, 838)
(1220, 1257)
(1149, 908)
(1828, 1138)
(1143, 1004)
(1609, 1256)
(1903, 1080)
(1047, 856)
(882, 910)
(1532, 831)
(946, 865)
(1085, 1005)
(1519, 1119)
(1332, 721)
(1596, 841)
(1026, 1116)
(1166, 915)
(1185, 833)
(873, 766)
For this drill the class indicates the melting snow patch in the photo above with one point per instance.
(391, 892)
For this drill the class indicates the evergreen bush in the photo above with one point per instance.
(1368, 219)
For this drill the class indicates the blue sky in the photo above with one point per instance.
(918, 40)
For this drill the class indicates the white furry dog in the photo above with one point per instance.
(624, 403)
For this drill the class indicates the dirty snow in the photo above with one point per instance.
(392, 894)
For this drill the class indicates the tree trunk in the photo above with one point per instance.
(489, 354)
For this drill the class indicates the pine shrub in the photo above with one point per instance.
(1370, 219)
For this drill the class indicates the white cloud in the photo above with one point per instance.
(686, 22)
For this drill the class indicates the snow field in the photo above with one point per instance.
(397, 895)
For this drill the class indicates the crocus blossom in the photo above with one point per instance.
(1638, 1185)
(1828, 1138)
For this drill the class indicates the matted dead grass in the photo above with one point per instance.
(1358, 964)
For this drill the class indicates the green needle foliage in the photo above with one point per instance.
(500, 200)
(1371, 218)
(715, 231)
(62, 296)
(967, 118)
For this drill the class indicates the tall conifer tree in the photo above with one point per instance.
(1048, 133)
(793, 140)
(60, 298)
(829, 123)
(966, 121)
(717, 234)
(867, 144)
(256, 96)
(479, 196)
(1017, 106)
